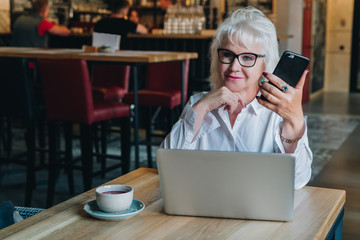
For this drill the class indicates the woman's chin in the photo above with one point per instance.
(248, 91)
(235, 86)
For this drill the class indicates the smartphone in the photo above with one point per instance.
(290, 68)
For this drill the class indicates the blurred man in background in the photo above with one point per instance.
(117, 24)
(32, 29)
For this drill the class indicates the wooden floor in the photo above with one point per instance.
(343, 170)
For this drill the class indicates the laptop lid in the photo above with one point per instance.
(105, 39)
(227, 184)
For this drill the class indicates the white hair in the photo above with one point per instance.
(246, 26)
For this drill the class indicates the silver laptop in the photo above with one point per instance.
(223, 184)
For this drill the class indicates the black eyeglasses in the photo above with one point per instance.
(245, 59)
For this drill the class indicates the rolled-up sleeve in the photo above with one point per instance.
(303, 157)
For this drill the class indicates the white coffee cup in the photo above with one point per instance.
(114, 198)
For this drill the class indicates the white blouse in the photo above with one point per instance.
(256, 129)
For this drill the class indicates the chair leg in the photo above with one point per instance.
(52, 163)
(149, 132)
(41, 140)
(2, 137)
(171, 120)
(86, 155)
(7, 137)
(125, 145)
(96, 142)
(69, 155)
(104, 130)
(30, 168)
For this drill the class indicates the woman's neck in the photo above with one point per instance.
(233, 115)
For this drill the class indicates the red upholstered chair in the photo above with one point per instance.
(68, 98)
(162, 90)
(110, 82)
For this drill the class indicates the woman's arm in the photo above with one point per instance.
(292, 134)
(288, 105)
(302, 153)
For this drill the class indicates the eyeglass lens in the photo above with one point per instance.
(245, 59)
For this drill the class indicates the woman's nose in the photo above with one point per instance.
(235, 65)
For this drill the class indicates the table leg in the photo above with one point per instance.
(335, 232)
(136, 116)
(338, 231)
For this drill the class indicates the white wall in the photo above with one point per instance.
(281, 22)
(295, 25)
(289, 20)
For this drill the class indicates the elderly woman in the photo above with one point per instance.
(232, 117)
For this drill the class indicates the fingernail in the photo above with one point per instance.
(265, 74)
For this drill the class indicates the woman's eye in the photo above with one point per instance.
(228, 55)
(248, 57)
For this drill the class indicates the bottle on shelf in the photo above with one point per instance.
(184, 20)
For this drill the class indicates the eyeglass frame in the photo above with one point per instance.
(238, 55)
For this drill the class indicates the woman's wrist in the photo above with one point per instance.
(287, 140)
(291, 132)
(200, 108)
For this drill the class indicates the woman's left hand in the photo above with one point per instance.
(286, 103)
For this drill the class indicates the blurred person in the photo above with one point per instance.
(134, 16)
(117, 24)
(32, 29)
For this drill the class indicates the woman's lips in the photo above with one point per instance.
(234, 78)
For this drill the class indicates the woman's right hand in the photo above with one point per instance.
(213, 100)
(218, 98)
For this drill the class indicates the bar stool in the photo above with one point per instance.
(18, 100)
(110, 82)
(68, 98)
(162, 90)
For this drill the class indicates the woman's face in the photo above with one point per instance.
(239, 78)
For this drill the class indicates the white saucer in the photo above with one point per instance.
(93, 210)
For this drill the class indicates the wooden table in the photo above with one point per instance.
(316, 211)
(133, 58)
